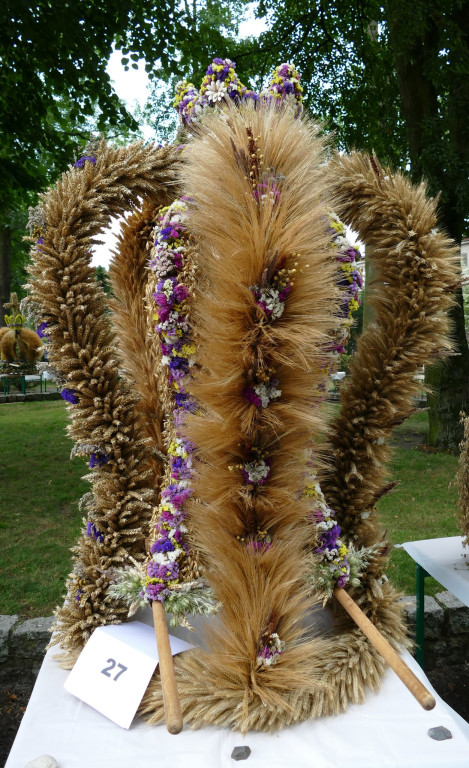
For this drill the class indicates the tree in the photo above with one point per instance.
(53, 56)
(102, 277)
(392, 77)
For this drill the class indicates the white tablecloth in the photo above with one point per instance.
(446, 560)
(390, 730)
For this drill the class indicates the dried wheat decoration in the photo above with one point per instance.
(260, 308)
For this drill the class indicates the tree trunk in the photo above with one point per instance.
(449, 381)
(414, 55)
(5, 269)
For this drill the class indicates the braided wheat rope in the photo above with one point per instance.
(104, 417)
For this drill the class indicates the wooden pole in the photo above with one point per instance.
(411, 681)
(171, 703)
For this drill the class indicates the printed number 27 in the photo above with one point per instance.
(107, 670)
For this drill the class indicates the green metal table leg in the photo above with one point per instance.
(420, 616)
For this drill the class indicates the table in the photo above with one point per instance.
(448, 562)
(21, 380)
(390, 730)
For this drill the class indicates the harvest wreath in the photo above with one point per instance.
(233, 288)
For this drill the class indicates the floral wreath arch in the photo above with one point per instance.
(232, 290)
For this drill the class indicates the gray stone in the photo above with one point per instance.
(43, 761)
(434, 616)
(29, 639)
(457, 612)
(409, 605)
(456, 650)
(241, 753)
(440, 733)
(6, 623)
(436, 652)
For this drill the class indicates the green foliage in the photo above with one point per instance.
(17, 222)
(159, 112)
(391, 77)
(346, 65)
(54, 56)
(102, 277)
(56, 90)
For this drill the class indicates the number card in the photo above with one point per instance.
(114, 669)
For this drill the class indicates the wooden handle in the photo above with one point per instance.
(411, 681)
(171, 703)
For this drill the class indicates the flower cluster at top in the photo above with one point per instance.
(270, 649)
(168, 550)
(285, 85)
(221, 85)
(335, 568)
(186, 102)
(177, 346)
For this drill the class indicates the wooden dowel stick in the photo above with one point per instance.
(411, 681)
(171, 703)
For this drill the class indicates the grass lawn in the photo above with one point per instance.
(39, 517)
(423, 505)
(40, 521)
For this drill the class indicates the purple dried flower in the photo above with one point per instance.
(81, 162)
(98, 459)
(70, 396)
(91, 530)
(41, 330)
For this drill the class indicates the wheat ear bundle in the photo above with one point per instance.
(137, 347)
(417, 266)
(262, 324)
(103, 421)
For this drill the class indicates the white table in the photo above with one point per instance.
(448, 562)
(388, 731)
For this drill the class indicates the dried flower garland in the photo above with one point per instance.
(332, 568)
(161, 577)
(169, 549)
